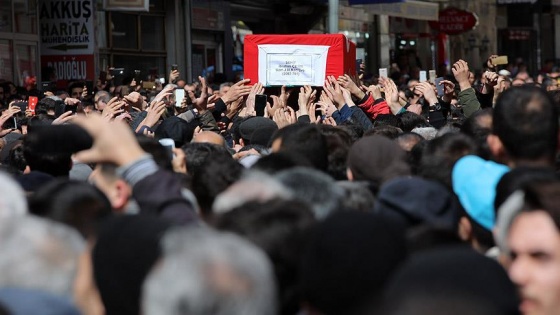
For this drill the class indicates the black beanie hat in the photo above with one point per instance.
(349, 257)
(450, 279)
(127, 247)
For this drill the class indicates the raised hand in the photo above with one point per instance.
(173, 76)
(347, 97)
(112, 143)
(311, 112)
(71, 101)
(153, 114)
(124, 117)
(164, 93)
(202, 101)
(113, 107)
(327, 109)
(284, 95)
(284, 117)
(63, 118)
(460, 71)
(448, 90)
(236, 91)
(9, 113)
(374, 90)
(250, 102)
(348, 83)
(211, 102)
(276, 105)
(391, 94)
(491, 78)
(427, 90)
(134, 99)
(490, 62)
(329, 121)
(234, 108)
(332, 88)
(304, 96)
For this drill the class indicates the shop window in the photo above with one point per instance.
(136, 41)
(5, 16)
(157, 6)
(6, 60)
(137, 31)
(25, 16)
(152, 33)
(154, 65)
(124, 30)
(26, 59)
(19, 41)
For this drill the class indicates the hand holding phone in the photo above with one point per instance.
(32, 103)
(22, 106)
(179, 96)
(422, 76)
(383, 72)
(260, 104)
(432, 76)
(117, 71)
(439, 87)
(500, 60)
(169, 145)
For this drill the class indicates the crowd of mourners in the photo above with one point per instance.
(369, 195)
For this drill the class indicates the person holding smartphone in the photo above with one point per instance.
(174, 74)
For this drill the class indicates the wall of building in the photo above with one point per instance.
(19, 41)
(486, 29)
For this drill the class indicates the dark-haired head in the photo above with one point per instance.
(525, 127)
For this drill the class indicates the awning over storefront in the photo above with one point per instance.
(416, 10)
(353, 2)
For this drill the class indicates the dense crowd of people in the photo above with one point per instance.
(368, 195)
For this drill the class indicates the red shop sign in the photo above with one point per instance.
(453, 21)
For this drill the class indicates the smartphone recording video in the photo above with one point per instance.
(32, 103)
(382, 72)
(500, 60)
(423, 77)
(137, 76)
(432, 76)
(169, 145)
(260, 104)
(179, 96)
(22, 106)
(439, 87)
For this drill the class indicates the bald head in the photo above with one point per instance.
(209, 137)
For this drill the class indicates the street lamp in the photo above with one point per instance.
(471, 41)
(484, 43)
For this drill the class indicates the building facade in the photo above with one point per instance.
(19, 41)
(47, 40)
